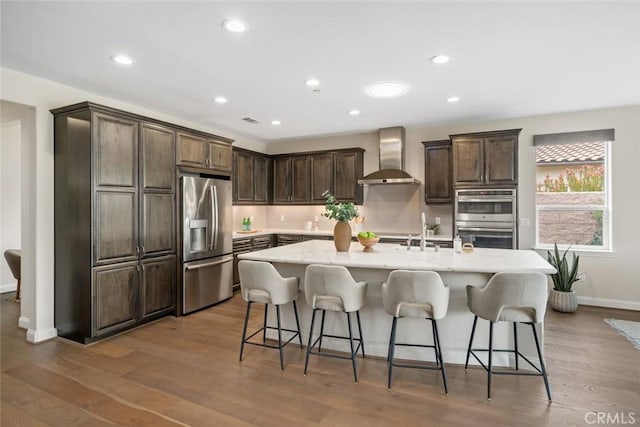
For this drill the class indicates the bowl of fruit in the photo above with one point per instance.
(368, 239)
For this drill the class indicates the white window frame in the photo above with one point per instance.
(606, 209)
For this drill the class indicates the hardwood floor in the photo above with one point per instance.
(185, 371)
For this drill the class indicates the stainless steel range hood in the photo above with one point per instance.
(391, 171)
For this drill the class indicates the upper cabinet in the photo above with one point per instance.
(199, 151)
(438, 182)
(250, 177)
(486, 158)
(291, 179)
(303, 178)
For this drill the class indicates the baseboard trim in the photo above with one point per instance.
(23, 322)
(10, 287)
(37, 336)
(610, 303)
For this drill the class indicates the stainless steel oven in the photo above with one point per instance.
(487, 217)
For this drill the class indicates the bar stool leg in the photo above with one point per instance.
(353, 356)
(515, 342)
(264, 324)
(542, 367)
(437, 344)
(244, 330)
(360, 332)
(321, 331)
(473, 331)
(279, 337)
(490, 355)
(295, 311)
(392, 347)
(306, 360)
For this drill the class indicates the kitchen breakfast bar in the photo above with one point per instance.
(457, 271)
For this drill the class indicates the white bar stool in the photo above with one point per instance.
(331, 287)
(260, 282)
(509, 297)
(418, 295)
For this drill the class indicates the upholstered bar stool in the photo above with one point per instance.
(260, 282)
(509, 297)
(418, 295)
(331, 287)
(13, 257)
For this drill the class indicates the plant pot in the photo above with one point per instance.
(342, 236)
(565, 302)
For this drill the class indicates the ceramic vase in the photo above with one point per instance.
(565, 302)
(342, 236)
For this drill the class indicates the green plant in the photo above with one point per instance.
(434, 227)
(338, 211)
(565, 277)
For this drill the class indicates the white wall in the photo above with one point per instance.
(37, 174)
(10, 178)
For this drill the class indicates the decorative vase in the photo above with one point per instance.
(342, 236)
(565, 302)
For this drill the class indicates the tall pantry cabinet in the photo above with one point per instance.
(115, 249)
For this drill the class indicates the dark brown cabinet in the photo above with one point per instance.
(200, 151)
(486, 158)
(245, 245)
(291, 179)
(250, 177)
(321, 176)
(438, 179)
(347, 169)
(114, 221)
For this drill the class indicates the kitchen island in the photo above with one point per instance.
(456, 269)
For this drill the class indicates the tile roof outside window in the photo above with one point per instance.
(583, 152)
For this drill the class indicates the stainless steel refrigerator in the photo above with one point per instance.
(207, 242)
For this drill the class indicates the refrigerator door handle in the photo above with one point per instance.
(208, 264)
(214, 218)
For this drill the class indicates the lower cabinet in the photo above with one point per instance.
(126, 294)
(245, 245)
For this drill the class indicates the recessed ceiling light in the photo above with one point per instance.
(220, 99)
(234, 25)
(312, 82)
(122, 59)
(354, 112)
(453, 99)
(440, 59)
(275, 122)
(386, 89)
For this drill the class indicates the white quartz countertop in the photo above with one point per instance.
(267, 231)
(394, 256)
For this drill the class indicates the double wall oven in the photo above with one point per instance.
(487, 217)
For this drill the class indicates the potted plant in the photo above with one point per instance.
(562, 297)
(432, 229)
(343, 213)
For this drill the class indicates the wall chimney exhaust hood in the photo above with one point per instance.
(391, 145)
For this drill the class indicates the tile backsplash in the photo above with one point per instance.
(389, 209)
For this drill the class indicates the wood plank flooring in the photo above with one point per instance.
(185, 371)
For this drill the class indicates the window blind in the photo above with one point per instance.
(585, 136)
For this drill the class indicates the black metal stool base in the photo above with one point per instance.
(264, 328)
(436, 348)
(318, 341)
(539, 371)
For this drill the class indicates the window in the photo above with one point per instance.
(573, 190)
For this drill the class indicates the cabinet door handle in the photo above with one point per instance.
(142, 250)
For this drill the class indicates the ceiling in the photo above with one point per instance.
(507, 59)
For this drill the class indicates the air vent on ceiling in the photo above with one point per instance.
(250, 120)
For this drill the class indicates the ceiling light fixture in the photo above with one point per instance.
(220, 99)
(386, 89)
(276, 122)
(354, 112)
(440, 59)
(122, 59)
(312, 82)
(453, 99)
(234, 25)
